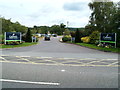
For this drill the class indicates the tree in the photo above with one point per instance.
(56, 29)
(28, 36)
(77, 36)
(62, 25)
(101, 16)
(36, 28)
(117, 24)
(8, 26)
(105, 18)
(44, 29)
(67, 32)
(18, 27)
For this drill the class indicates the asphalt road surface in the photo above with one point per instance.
(54, 48)
(52, 64)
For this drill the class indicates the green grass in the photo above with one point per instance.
(20, 45)
(93, 46)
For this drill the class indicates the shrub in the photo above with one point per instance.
(1, 41)
(66, 38)
(94, 37)
(13, 43)
(85, 39)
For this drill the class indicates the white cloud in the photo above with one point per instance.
(46, 12)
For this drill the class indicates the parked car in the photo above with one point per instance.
(54, 35)
(47, 37)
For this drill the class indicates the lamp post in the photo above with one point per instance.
(67, 24)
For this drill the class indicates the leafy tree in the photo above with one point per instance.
(105, 18)
(18, 27)
(56, 29)
(101, 17)
(88, 29)
(37, 29)
(44, 29)
(117, 23)
(8, 26)
(62, 25)
(66, 32)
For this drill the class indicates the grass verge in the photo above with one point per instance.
(93, 46)
(20, 45)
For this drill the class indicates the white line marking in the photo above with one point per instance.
(66, 58)
(44, 57)
(109, 59)
(30, 82)
(63, 70)
(23, 56)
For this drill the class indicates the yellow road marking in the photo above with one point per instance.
(65, 60)
(60, 64)
(112, 63)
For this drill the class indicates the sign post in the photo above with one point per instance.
(5, 37)
(115, 40)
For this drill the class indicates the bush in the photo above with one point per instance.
(66, 38)
(94, 37)
(1, 41)
(85, 39)
(13, 43)
(105, 45)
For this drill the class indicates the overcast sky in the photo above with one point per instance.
(46, 12)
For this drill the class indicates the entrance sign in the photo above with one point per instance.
(12, 36)
(108, 38)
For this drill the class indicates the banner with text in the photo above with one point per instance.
(13, 36)
(108, 37)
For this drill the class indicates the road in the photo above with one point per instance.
(52, 64)
(54, 48)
